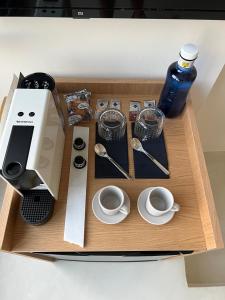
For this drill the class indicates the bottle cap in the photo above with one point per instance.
(189, 52)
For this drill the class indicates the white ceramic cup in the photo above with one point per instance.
(160, 201)
(111, 200)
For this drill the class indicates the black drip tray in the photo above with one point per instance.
(36, 206)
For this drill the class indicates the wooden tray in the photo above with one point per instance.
(195, 227)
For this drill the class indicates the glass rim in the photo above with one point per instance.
(150, 109)
(122, 115)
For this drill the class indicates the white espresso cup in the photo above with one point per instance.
(111, 200)
(160, 201)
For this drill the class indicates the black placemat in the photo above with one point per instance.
(144, 167)
(118, 151)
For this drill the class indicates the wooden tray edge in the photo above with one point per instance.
(210, 222)
(207, 209)
(8, 214)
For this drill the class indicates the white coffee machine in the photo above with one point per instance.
(31, 148)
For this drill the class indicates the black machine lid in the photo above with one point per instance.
(37, 80)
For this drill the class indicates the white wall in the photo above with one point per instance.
(109, 48)
(211, 121)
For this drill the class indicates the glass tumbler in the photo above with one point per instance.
(149, 123)
(111, 125)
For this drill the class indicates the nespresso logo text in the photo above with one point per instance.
(25, 122)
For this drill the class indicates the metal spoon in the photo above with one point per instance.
(101, 151)
(136, 145)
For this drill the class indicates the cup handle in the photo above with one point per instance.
(124, 210)
(176, 207)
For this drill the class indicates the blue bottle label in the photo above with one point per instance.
(185, 63)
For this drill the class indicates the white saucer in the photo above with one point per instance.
(141, 204)
(114, 219)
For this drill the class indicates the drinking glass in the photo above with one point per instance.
(149, 123)
(111, 125)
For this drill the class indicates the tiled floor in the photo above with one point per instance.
(23, 279)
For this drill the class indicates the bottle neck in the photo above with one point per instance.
(185, 64)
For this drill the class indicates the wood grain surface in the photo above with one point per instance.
(194, 227)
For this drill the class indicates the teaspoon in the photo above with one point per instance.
(101, 151)
(136, 145)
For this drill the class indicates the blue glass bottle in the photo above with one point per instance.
(179, 79)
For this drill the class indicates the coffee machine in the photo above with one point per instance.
(31, 148)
